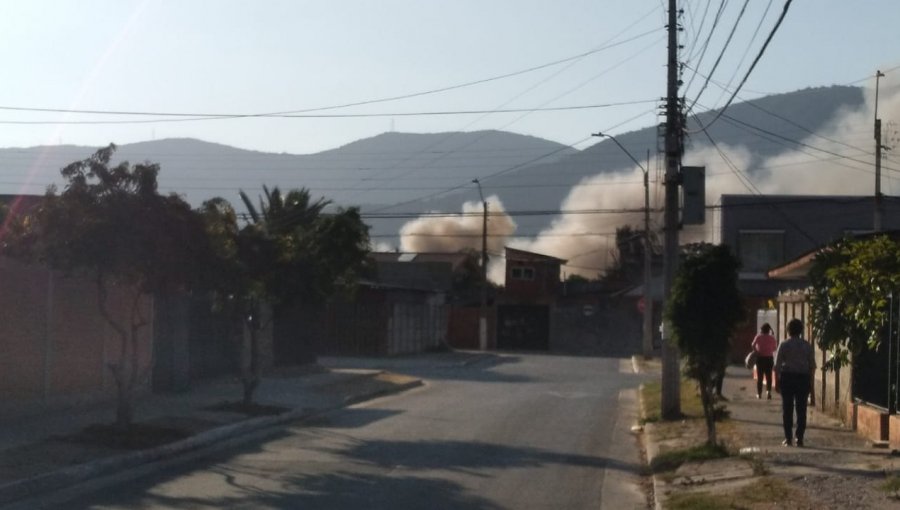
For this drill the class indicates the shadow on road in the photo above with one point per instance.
(463, 455)
(333, 491)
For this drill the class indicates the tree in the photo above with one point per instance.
(111, 224)
(290, 251)
(851, 284)
(704, 308)
(628, 264)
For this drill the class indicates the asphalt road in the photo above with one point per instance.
(520, 431)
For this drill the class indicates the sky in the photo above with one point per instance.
(602, 61)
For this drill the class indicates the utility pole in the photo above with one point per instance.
(671, 376)
(482, 316)
(879, 200)
(647, 343)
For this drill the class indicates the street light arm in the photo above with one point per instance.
(611, 137)
(478, 183)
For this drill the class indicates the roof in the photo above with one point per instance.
(798, 268)
(454, 259)
(522, 254)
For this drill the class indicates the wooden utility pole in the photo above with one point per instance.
(879, 199)
(482, 316)
(647, 342)
(671, 373)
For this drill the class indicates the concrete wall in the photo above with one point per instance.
(606, 327)
(379, 322)
(55, 345)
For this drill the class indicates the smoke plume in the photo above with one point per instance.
(837, 160)
(442, 234)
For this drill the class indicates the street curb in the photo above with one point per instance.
(399, 388)
(646, 437)
(45, 483)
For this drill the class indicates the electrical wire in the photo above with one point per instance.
(200, 116)
(715, 66)
(787, 5)
(749, 45)
(708, 38)
(346, 115)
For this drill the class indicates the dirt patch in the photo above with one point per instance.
(93, 443)
(367, 384)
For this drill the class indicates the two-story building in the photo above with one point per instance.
(524, 308)
(769, 231)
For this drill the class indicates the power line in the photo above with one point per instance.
(606, 70)
(712, 71)
(746, 49)
(342, 115)
(753, 104)
(199, 116)
(756, 60)
(708, 38)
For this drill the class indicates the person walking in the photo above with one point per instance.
(795, 364)
(764, 344)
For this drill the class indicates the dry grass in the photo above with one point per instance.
(762, 494)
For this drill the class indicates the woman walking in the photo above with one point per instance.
(794, 365)
(764, 344)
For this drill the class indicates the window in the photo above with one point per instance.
(522, 273)
(760, 250)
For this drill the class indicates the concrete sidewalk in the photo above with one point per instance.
(836, 468)
(34, 461)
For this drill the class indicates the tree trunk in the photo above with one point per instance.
(124, 408)
(124, 381)
(709, 410)
(251, 377)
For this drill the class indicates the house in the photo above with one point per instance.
(770, 231)
(523, 314)
(532, 277)
(401, 308)
(865, 393)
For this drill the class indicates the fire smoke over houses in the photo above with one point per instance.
(838, 159)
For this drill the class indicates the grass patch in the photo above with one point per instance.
(670, 461)
(759, 494)
(891, 484)
(651, 397)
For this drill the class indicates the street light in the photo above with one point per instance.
(482, 317)
(647, 338)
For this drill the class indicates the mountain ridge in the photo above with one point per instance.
(433, 171)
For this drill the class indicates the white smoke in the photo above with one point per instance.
(442, 234)
(837, 160)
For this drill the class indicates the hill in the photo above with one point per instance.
(411, 173)
(384, 169)
(544, 185)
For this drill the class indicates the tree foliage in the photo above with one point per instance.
(704, 307)
(290, 251)
(111, 224)
(851, 284)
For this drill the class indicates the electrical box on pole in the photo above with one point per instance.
(693, 188)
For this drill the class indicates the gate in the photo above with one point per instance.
(876, 372)
(523, 327)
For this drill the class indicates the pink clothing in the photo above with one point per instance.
(764, 345)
